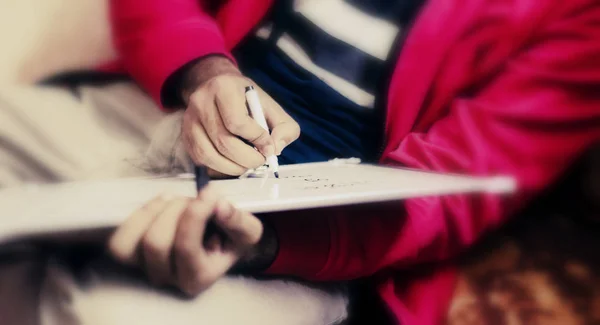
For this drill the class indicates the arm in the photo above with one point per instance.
(174, 49)
(155, 38)
(531, 121)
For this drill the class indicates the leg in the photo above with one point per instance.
(50, 134)
(105, 295)
(53, 134)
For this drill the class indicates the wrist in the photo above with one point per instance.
(260, 256)
(204, 69)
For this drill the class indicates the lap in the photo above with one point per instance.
(64, 134)
(103, 296)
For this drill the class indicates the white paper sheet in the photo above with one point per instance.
(42, 209)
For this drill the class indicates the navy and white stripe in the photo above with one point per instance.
(323, 61)
(345, 43)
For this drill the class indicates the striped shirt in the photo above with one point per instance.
(323, 61)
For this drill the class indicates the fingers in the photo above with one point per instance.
(227, 144)
(233, 147)
(170, 234)
(189, 254)
(200, 265)
(231, 103)
(150, 231)
(283, 134)
(220, 133)
(213, 174)
(284, 129)
(242, 228)
(124, 242)
(203, 152)
(157, 243)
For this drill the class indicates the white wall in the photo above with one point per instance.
(41, 37)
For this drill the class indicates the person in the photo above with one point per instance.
(476, 87)
(468, 92)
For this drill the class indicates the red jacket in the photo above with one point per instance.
(481, 87)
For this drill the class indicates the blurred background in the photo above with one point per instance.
(67, 34)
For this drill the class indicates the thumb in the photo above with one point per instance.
(283, 134)
(284, 129)
(242, 228)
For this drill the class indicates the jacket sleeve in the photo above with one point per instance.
(530, 122)
(155, 38)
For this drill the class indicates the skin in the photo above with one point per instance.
(165, 238)
(216, 120)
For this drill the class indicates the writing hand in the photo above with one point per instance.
(216, 119)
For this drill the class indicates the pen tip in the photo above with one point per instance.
(276, 174)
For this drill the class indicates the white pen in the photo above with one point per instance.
(258, 115)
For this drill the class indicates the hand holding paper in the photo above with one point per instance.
(175, 249)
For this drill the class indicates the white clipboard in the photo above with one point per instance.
(39, 209)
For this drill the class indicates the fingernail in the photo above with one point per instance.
(280, 146)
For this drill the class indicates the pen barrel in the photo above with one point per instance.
(257, 113)
(256, 110)
(202, 178)
(273, 162)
